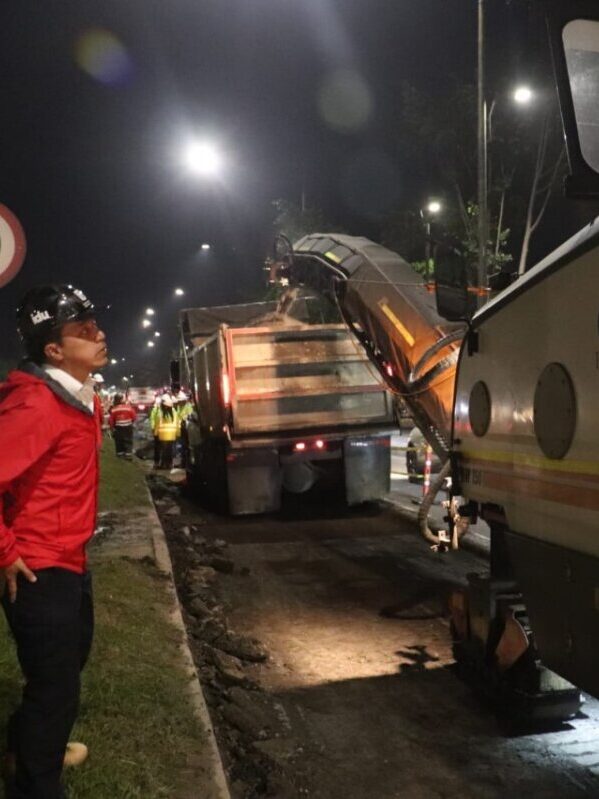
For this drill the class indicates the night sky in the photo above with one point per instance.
(99, 99)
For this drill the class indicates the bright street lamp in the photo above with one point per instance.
(150, 343)
(179, 292)
(150, 312)
(113, 361)
(157, 334)
(202, 158)
(205, 247)
(523, 95)
(146, 323)
(434, 207)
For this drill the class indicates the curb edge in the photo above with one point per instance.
(164, 564)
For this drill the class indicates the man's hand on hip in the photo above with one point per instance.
(11, 573)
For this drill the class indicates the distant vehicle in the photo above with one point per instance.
(142, 398)
(416, 457)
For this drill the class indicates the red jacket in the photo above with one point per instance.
(122, 415)
(49, 445)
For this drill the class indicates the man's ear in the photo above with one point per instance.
(53, 353)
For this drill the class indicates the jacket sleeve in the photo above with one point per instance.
(26, 434)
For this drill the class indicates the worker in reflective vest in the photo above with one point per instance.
(153, 416)
(166, 429)
(184, 410)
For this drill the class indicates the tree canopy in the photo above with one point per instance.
(439, 134)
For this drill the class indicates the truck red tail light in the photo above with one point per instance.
(302, 446)
(226, 389)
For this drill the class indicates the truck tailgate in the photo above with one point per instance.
(304, 377)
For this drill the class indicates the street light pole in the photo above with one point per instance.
(482, 153)
(428, 252)
(433, 207)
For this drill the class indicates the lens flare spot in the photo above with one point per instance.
(102, 56)
(345, 101)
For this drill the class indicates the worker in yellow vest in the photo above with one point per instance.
(165, 426)
(184, 409)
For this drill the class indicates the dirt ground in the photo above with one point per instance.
(323, 647)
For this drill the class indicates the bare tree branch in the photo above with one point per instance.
(549, 189)
(500, 223)
(462, 208)
(534, 194)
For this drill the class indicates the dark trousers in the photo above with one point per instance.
(156, 451)
(167, 449)
(52, 622)
(123, 439)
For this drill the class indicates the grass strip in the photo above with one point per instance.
(135, 712)
(122, 482)
(136, 715)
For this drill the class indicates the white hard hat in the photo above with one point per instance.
(97, 378)
(181, 397)
(167, 400)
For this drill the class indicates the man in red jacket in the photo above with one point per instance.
(121, 420)
(50, 432)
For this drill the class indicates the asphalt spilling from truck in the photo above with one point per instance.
(321, 640)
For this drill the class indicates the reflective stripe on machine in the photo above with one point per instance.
(573, 483)
(396, 323)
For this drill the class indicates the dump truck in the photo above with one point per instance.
(280, 406)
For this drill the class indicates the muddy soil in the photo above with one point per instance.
(322, 643)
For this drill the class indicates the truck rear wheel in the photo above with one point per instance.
(206, 474)
(193, 483)
(298, 477)
(215, 474)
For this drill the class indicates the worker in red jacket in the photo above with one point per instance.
(121, 420)
(50, 433)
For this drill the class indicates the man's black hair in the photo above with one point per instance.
(34, 348)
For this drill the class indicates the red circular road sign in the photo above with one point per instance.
(12, 245)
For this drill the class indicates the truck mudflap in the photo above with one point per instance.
(367, 464)
(254, 481)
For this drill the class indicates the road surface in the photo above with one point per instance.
(350, 607)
